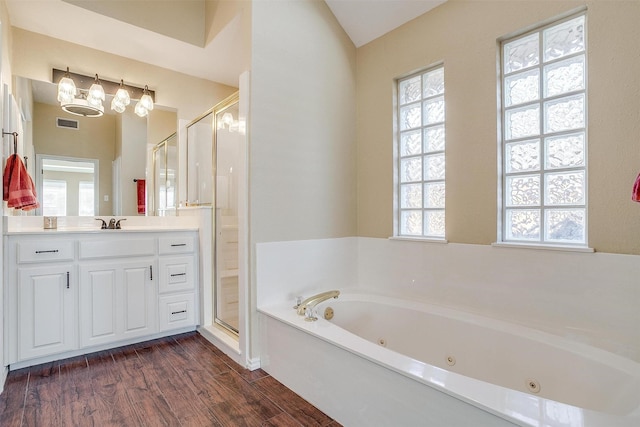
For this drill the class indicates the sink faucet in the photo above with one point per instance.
(112, 224)
(311, 302)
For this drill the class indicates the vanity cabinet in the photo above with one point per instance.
(46, 310)
(73, 293)
(117, 301)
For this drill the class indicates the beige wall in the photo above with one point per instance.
(463, 34)
(160, 125)
(95, 139)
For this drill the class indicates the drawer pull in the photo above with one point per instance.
(151, 272)
(67, 280)
(178, 274)
(51, 251)
(178, 312)
(178, 244)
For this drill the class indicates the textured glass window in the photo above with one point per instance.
(544, 146)
(421, 155)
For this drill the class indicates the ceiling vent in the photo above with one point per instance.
(67, 123)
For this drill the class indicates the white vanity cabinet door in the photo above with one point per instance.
(46, 310)
(118, 301)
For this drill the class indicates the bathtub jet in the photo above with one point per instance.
(306, 307)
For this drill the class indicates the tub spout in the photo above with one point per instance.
(311, 302)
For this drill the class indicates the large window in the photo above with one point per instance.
(420, 188)
(544, 140)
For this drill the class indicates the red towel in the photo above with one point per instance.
(142, 208)
(635, 196)
(17, 186)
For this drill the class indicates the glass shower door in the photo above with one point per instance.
(227, 158)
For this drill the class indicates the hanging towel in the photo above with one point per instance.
(17, 186)
(142, 209)
(635, 196)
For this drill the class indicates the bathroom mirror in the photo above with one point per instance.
(116, 143)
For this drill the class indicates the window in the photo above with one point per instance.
(54, 197)
(85, 198)
(544, 140)
(420, 188)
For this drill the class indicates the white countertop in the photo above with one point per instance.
(130, 224)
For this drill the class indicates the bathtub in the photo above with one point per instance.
(385, 361)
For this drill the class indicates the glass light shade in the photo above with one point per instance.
(146, 102)
(94, 102)
(118, 106)
(66, 90)
(122, 97)
(96, 92)
(140, 110)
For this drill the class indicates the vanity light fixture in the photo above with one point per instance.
(82, 95)
(145, 104)
(66, 88)
(121, 99)
(96, 94)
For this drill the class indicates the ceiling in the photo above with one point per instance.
(219, 60)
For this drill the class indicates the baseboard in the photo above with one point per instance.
(3, 377)
(253, 364)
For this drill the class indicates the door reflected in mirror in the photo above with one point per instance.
(67, 186)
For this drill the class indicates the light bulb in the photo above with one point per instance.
(96, 91)
(146, 100)
(66, 89)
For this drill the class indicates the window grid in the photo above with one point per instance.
(531, 212)
(421, 155)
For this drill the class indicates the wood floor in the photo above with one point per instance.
(176, 381)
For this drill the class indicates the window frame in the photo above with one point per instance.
(542, 136)
(422, 155)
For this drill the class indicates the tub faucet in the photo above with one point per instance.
(311, 302)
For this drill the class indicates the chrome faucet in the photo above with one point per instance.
(311, 302)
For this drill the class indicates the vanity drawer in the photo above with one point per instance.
(177, 311)
(177, 274)
(176, 244)
(116, 247)
(45, 251)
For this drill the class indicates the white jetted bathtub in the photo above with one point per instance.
(382, 361)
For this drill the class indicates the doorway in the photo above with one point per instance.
(67, 186)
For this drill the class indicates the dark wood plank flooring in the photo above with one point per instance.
(176, 381)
